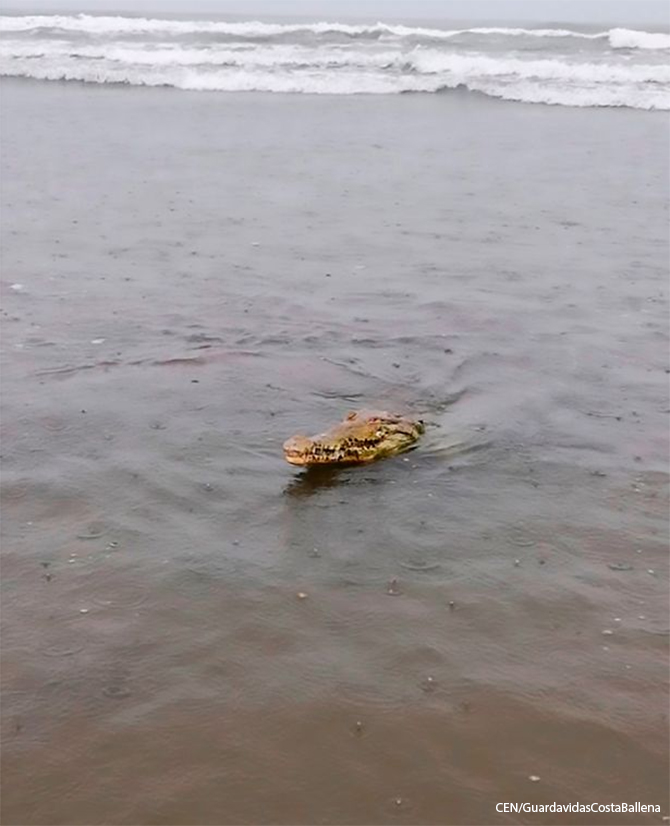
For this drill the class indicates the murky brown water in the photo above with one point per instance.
(201, 276)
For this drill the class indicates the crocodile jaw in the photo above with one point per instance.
(305, 452)
(297, 450)
(346, 447)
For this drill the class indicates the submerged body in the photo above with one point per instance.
(363, 436)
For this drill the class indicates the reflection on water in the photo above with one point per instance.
(314, 479)
(322, 477)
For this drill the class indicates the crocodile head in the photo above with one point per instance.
(363, 436)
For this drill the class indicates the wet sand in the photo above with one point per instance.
(201, 276)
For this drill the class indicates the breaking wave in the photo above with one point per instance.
(618, 67)
(629, 39)
(102, 25)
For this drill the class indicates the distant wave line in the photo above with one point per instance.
(100, 25)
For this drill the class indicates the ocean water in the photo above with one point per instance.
(562, 66)
(189, 278)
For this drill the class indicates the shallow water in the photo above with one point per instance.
(200, 277)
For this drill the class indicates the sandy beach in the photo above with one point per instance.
(188, 279)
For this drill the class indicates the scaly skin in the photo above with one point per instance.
(363, 436)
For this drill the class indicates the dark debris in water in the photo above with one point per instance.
(620, 566)
(429, 685)
(116, 692)
(393, 589)
(421, 567)
(358, 729)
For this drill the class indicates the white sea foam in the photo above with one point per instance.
(106, 25)
(314, 81)
(235, 80)
(417, 60)
(629, 39)
(476, 65)
(175, 55)
(102, 25)
(620, 68)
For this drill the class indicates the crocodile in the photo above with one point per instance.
(363, 436)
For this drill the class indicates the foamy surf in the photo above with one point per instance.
(559, 66)
(103, 25)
